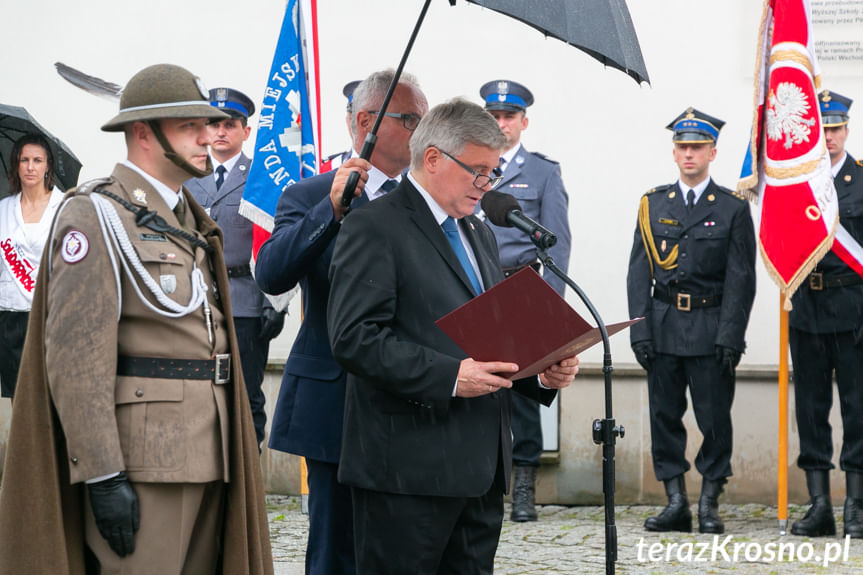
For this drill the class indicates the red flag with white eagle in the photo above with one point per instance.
(787, 169)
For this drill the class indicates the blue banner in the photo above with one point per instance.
(285, 150)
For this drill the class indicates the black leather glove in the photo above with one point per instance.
(727, 358)
(115, 507)
(644, 353)
(272, 322)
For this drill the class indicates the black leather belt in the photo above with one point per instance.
(239, 271)
(217, 369)
(509, 271)
(686, 301)
(818, 282)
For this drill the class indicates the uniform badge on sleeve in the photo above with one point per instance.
(75, 246)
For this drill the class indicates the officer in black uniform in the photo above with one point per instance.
(826, 327)
(692, 277)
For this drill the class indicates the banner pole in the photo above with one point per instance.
(782, 460)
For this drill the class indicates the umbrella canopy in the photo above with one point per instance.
(14, 123)
(602, 28)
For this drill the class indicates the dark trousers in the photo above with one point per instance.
(423, 535)
(13, 330)
(253, 355)
(526, 431)
(815, 358)
(712, 392)
(330, 549)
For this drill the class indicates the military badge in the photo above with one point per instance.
(672, 194)
(75, 246)
(847, 177)
(205, 94)
(140, 195)
(709, 224)
(168, 283)
(710, 197)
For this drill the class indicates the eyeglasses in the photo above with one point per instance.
(409, 121)
(480, 180)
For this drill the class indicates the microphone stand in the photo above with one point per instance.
(605, 432)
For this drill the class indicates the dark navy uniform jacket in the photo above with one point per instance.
(716, 257)
(223, 207)
(835, 309)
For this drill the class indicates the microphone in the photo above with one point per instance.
(503, 210)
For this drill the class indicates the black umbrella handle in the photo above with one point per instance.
(371, 138)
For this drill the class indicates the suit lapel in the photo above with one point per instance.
(422, 217)
(513, 168)
(233, 180)
(843, 179)
(488, 270)
(703, 208)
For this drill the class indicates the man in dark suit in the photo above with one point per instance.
(535, 182)
(825, 336)
(426, 447)
(309, 411)
(219, 194)
(692, 276)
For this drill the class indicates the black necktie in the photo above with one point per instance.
(388, 186)
(500, 165)
(220, 176)
(690, 200)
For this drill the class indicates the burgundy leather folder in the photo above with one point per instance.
(522, 320)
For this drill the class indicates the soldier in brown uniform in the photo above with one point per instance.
(135, 344)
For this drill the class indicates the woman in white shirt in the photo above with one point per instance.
(25, 222)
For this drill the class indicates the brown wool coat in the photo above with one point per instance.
(41, 514)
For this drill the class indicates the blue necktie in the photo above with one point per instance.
(220, 176)
(450, 228)
(388, 186)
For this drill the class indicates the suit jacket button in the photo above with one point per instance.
(139, 393)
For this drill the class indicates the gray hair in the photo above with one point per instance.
(370, 93)
(451, 126)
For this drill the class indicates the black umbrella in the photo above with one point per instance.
(14, 123)
(601, 28)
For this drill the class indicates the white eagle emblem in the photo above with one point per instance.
(785, 115)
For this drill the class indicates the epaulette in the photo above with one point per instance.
(733, 193)
(860, 163)
(658, 189)
(90, 185)
(542, 156)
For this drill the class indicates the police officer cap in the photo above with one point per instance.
(349, 88)
(162, 91)
(834, 109)
(695, 127)
(505, 95)
(232, 102)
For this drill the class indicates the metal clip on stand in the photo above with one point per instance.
(605, 432)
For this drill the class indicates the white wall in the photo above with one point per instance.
(607, 132)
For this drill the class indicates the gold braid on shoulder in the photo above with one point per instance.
(668, 263)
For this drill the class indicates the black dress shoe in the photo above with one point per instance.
(676, 516)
